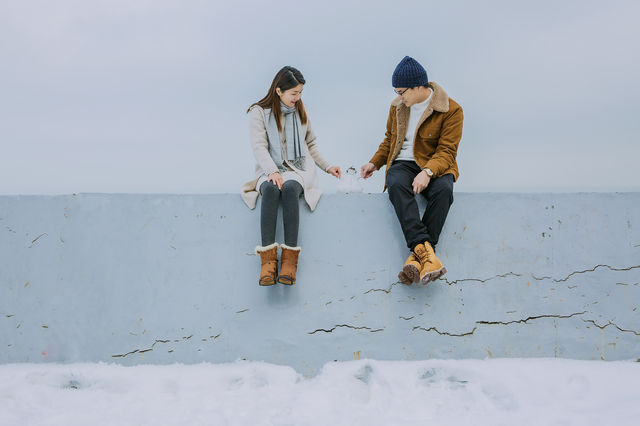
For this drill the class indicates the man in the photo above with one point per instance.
(419, 150)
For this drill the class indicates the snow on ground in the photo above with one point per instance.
(434, 392)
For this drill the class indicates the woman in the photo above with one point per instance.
(284, 146)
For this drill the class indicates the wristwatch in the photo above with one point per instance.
(429, 172)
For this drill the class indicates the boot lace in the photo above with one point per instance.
(423, 255)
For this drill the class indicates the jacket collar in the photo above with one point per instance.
(439, 101)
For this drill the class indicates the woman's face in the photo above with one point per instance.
(291, 96)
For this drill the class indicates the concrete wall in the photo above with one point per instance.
(173, 278)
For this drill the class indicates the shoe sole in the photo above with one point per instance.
(404, 279)
(287, 280)
(267, 280)
(432, 276)
(412, 273)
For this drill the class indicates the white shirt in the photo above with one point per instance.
(415, 112)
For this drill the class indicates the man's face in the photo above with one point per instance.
(408, 95)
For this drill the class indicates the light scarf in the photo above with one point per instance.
(291, 138)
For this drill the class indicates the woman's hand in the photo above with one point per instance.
(334, 170)
(276, 178)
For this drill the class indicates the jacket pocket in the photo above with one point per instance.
(429, 132)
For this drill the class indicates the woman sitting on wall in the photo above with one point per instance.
(285, 149)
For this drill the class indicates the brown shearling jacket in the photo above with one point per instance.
(437, 136)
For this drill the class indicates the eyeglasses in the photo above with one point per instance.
(400, 93)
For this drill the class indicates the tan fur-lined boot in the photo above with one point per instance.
(431, 267)
(411, 271)
(289, 264)
(269, 264)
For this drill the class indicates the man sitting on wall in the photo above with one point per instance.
(419, 150)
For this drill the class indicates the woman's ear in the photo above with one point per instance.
(278, 91)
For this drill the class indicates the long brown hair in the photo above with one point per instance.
(287, 78)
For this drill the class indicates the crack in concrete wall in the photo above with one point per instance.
(347, 326)
(586, 271)
(141, 351)
(602, 327)
(444, 333)
(505, 275)
(37, 238)
(480, 280)
(520, 321)
(382, 289)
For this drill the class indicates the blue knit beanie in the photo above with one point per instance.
(409, 73)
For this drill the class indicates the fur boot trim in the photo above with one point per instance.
(284, 246)
(260, 249)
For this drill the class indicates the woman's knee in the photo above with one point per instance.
(291, 188)
(269, 190)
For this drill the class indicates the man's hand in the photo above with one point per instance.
(277, 180)
(420, 182)
(335, 171)
(367, 170)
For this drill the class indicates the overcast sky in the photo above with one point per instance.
(150, 96)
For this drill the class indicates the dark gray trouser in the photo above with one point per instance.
(290, 194)
(439, 195)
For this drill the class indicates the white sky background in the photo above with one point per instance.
(150, 96)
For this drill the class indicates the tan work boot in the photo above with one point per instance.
(269, 264)
(411, 270)
(289, 264)
(431, 267)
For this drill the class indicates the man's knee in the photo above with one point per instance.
(441, 188)
(396, 188)
(396, 180)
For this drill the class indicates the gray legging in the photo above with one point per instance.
(290, 192)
